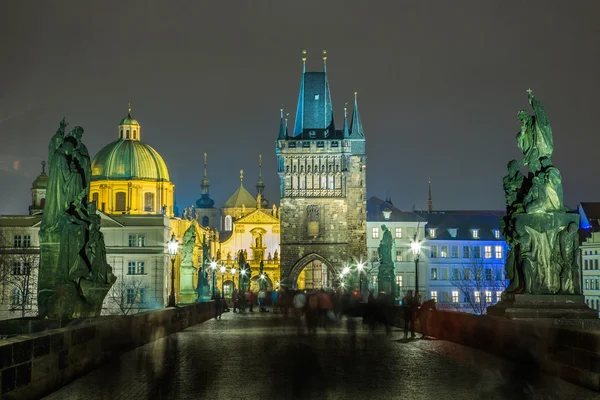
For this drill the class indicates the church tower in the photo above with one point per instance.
(322, 174)
(38, 192)
(205, 206)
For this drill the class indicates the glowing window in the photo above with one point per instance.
(316, 97)
(375, 233)
(434, 295)
(228, 223)
(488, 251)
(455, 296)
(398, 233)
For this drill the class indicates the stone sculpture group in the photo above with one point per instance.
(540, 231)
(74, 276)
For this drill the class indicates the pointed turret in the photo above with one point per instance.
(314, 112)
(356, 128)
(346, 128)
(429, 201)
(260, 185)
(205, 201)
(282, 132)
(286, 125)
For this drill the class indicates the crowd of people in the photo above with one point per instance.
(322, 308)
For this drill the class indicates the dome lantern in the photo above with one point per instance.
(129, 127)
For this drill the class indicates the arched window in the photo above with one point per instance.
(205, 221)
(228, 223)
(127, 133)
(134, 134)
(120, 201)
(95, 198)
(149, 201)
(121, 137)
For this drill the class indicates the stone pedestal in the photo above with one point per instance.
(564, 310)
(187, 293)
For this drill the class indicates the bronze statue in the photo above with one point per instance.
(74, 276)
(538, 227)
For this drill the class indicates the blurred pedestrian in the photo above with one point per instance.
(250, 300)
(408, 304)
(274, 298)
(262, 296)
(218, 307)
(235, 299)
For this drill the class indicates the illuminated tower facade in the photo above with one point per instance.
(322, 175)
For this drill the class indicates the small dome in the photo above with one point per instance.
(129, 120)
(129, 160)
(41, 182)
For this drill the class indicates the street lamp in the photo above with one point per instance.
(415, 246)
(173, 246)
(233, 271)
(360, 266)
(223, 269)
(213, 268)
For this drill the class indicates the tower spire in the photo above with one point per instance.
(241, 177)
(205, 201)
(260, 183)
(429, 201)
(346, 129)
(356, 128)
(303, 61)
(129, 109)
(325, 60)
(286, 124)
(282, 133)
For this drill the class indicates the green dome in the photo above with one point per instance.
(129, 160)
(129, 120)
(41, 182)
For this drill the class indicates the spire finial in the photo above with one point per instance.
(303, 60)
(241, 176)
(260, 160)
(129, 108)
(43, 167)
(355, 96)
(346, 110)
(429, 201)
(325, 60)
(204, 165)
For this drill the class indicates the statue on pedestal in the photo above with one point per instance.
(539, 229)
(202, 284)
(74, 276)
(386, 264)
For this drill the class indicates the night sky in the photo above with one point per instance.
(439, 86)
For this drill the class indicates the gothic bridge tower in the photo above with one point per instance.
(322, 175)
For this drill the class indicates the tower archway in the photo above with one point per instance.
(313, 271)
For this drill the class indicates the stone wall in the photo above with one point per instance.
(570, 353)
(36, 364)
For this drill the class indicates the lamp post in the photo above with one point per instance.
(223, 269)
(213, 268)
(415, 246)
(233, 271)
(360, 266)
(173, 246)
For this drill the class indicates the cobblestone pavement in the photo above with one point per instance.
(258, 356)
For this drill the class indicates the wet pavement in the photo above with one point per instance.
(261, 356)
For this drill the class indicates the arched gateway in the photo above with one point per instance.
(312, 272)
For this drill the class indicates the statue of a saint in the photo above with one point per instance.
(188, 245)
(385, 246)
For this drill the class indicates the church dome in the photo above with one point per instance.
(129, 160)
(41, 182)
(128, 120)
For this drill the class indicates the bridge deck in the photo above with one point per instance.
(260, 356)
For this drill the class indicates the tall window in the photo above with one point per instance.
(455, 296)
(323, 182)
(455, 274)
(444, 251)
(17, 241)
(432, 233)
(331, 183)
(488, 274)
(228, 223)
(434, 295)
(398, 283)
(137, 240)
(497, 233)
(488, 251)
(434, 274)
(398, 255)
(398, 233)
(477, 294)
(498, 295)
(205, 221)
(95, 198)
(454, 252)
(135, 268)
(488, 296)
(498, 251)
(16, 270)
(142, 296)
(375, 233)
(15, 297)
(26, 241)
(130, 299)
(434, 251)
(585, 264)
(149, 202)
(475, 233)
(596, 263)
(476, 252)
(466, 252)
(120, 201)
